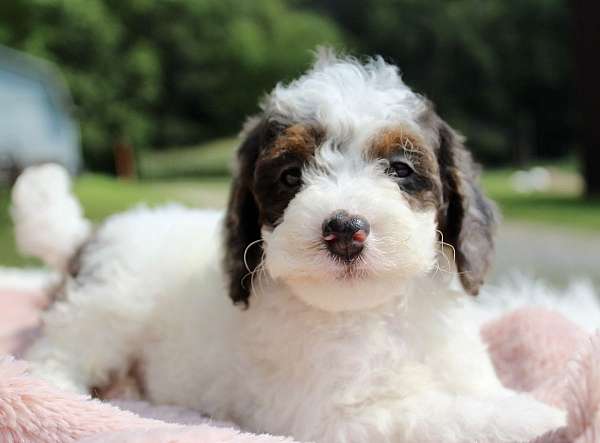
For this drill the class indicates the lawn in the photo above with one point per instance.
(102, 196)
(210, 159)
(559, 206)
(198, 176)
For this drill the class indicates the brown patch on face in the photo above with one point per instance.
(423, 189)
(299, 140)
(292, 149)
(393, 141)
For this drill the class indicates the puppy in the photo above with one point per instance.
(354, 239)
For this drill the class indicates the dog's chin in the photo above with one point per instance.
(350, 289)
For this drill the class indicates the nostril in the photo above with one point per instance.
(360, 236)
(335, 225)
(329, 237)
(359, 227)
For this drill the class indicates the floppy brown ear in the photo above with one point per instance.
(242, 226)
(470, 219)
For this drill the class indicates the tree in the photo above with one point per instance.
(164, 73)
(587, 53)
(218, 57)
(500, 71)
(113, 81)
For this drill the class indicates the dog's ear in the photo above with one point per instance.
(242, 225)
(468, 219)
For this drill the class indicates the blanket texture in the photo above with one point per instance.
(534, 349)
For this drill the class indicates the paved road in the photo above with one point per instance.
(554, 254)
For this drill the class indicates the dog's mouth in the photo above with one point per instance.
(352, 269)
(347, 265)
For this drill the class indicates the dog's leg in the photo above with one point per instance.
(437, 417)
(90, 337)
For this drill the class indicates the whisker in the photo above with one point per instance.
(258, 275)
(246, 253)
(443, 243)
(262, 276)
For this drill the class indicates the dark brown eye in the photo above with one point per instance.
(400, 169)
(291, 177)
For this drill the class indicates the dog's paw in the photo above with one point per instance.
(57, 379)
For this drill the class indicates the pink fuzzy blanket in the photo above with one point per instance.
(533, 349)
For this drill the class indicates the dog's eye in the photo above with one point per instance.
(291, 177)
(399, 169)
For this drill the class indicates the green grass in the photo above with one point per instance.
(560, 206)
(8, 256)
(102, 196)
(210, 159)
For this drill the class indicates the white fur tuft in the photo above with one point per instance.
(28, 279)
(49, 222)
(346, 97)
(578, 301)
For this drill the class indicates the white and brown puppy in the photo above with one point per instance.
(349, 326)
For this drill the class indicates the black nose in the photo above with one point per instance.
(345, 234)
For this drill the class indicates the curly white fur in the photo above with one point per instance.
(412, 369)
(343, 94)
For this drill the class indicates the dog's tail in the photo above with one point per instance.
(48, 219)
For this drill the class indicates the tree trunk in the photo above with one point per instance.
(586, 15)
(124, 159)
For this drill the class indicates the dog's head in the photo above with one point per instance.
(346, 184)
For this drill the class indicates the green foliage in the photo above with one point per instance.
(175, 72)
(168, 72)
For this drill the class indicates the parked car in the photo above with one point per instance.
(36, 116)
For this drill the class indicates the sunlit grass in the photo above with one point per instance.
(8, 256)
(102, 196)
(561, 205)
(209, 159)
